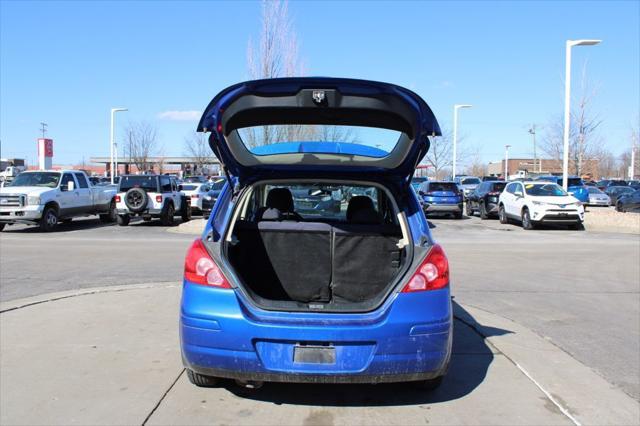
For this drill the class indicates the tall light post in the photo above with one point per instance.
(506, 162)
(455, 135)
(112, 142)
(532, 131)
(567, 104)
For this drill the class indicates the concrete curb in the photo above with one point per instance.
(52, 297)
(580, 393)
(193, 227)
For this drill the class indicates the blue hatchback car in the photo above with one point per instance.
(274, 291)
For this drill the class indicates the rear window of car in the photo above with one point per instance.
(189, 187)
(218, 184)
(617, 183)
(574, 182)
(312, 138)
(443, 186)
(498, 186)
(470, 181)
(150, 183)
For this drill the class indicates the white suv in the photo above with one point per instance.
(151, 196)
(535, 203)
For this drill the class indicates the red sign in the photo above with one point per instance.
(48, 147)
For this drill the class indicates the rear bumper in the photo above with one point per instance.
(443, 208)
(408, 339)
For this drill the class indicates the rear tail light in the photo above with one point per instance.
(158, 198)
(199, 267)
(118, 199)
(432, 274)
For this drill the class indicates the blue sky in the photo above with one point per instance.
(68, 63)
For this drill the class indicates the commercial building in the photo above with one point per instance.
(542, 166)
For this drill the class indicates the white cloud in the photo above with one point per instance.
(180, 115)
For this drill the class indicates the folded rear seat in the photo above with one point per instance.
(300, 254)
(365, 260)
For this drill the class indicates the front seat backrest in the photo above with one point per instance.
(361, 210)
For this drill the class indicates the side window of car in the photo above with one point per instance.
(82, 181)
(518, 188)
(66, 178)
(174, 187)
(510, 187)
(165, 184)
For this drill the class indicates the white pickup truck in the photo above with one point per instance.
(47, 197)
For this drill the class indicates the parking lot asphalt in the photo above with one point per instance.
(580, 291)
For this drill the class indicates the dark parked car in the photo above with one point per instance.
(209, 200)
(485, 199)
(491, 178)
(614, 192)
(629, 202)
(441, 197)
(635, 184)
(606, 183)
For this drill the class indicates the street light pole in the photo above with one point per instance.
(532, 130)
(506, 162)
(567, 104)
(112, 143)
(455, 135)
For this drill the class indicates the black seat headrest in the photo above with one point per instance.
(281, 199)
(362, 210)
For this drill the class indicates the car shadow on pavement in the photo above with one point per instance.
(470, 362)
(74, 225)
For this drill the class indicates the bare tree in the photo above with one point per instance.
(197, 147)
(440, 155)
(607, 163)
(275, 56)
(476, 167)
(141, 142)
(583, 139)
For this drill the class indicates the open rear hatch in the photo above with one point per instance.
(277, 118)
(338, 239)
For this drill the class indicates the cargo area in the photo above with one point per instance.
(347, 253)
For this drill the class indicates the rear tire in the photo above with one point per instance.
(166, 217)
(185, 213)
(2, 226)
(458, 215)
(469, 209)
(429, 385)
(123, 219)
(201, 380)
(526, 220)
(483, 212)
(112, 215)
(502, 215)
(619, 208)
(577, 226)
(49, 219)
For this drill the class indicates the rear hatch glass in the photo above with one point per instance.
(149, 183)
(443, 187)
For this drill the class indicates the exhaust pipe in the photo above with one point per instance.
(249, 384)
